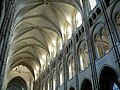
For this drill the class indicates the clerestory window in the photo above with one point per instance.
(71, 67)
(54, 81)
(48, 86)
(43, 87)
(78, 19)
(89, 5)
(83, 55)
(92, 4)
(61, 76)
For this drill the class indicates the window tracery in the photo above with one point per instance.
(83, 55)
(48, 85)
(118, 21)
(102, 43)
(59, 44)
(43, 87)
(92, 4)
(71, 66)
(61, 76)
(89, 5)
(54, 81)
(78, 19)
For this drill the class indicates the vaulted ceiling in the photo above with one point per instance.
(37, 23)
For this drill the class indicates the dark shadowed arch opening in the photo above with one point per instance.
(86, 85)
(107, 3)
(17, 83)
(109, 79)
(72, 88)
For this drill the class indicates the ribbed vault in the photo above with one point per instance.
(17, 83)
(38, 28)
